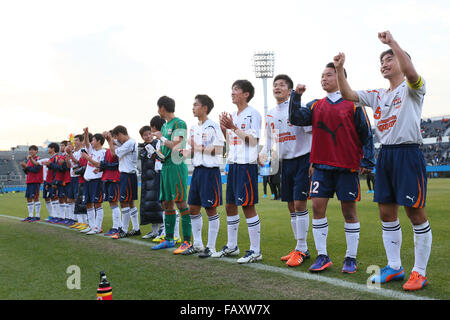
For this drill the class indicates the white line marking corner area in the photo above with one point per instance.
(387, 293)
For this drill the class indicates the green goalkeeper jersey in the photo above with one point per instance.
(174, 128)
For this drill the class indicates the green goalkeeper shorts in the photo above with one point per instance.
(174, 178)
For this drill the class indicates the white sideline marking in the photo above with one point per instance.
(292, 273)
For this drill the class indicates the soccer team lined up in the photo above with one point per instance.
(322, 147)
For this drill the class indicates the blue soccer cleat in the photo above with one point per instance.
(350, 265)
(388, 274)
(322, 262)
(164, 244)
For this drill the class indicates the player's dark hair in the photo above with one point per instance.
(119, 129)
(143, 129)
(245, 86)
(157, 122)
(99, 137)
(167, 103)
(286, 78)
(64, 142)
(331, 65)
(391, 52)
(33, 147)
(205, 101)
(54, 146)
(80, 137)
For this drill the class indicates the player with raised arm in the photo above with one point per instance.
(342, 146)
(205, 144)
(400, 175)
(242, 132)
(93, 185)
(293, 148)
(174, 175)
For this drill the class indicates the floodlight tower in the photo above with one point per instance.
(263, 63)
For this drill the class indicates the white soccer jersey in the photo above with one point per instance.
(128, 156)
(97, 156)
(396, 113)
(77, 156)
(206, 134)
(249, 121)
(293, 141)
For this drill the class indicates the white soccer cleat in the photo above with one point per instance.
(93, 231)
(250, 256)
(225, 252)
(86, 230)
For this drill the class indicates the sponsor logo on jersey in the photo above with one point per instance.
(386, 124)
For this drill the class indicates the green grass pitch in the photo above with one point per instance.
(35, 257)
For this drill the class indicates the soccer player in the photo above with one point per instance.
(49, 193)
(293, 149)
(111, 184)
(342, 146)
(205, 144)
(34, 171)
(126, 150)
(61, 180)
(93, 185)
(150, 207)
(400, 175)
(72, 160)
(174, 175)
(242, 131)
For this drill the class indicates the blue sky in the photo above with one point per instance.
(67, 65)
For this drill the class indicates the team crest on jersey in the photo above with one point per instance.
(169, 132)
(397, 102)
(243, 126)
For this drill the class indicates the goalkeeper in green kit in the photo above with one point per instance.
(174, 175)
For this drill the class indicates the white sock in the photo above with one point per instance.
(30, 209)
(48, 205)
(294, 223)
(422, 247)
(99, 218)
(352, 237)
(71, 206)
(392, 240)
(254, 233)
(163, 233)
(62, 210)
(176, 233)
(302, 225)
(197, 225)
(55, 206)
(320, 233)
(37, 208)
(232, 230)
(155, 227)
(85, 218)
(213, 231)
(91, 217)
(134, 218)
(125, 218)
(116, 217)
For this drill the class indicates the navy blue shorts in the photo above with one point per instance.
(242, 184)
(295, 179)
(61, 189)
(400, 176)
(128, 187)
(206, 187)
(49, 191)
(324, 183)
(32, 191)
(72, 188)
(112, 191)
(93, 191)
